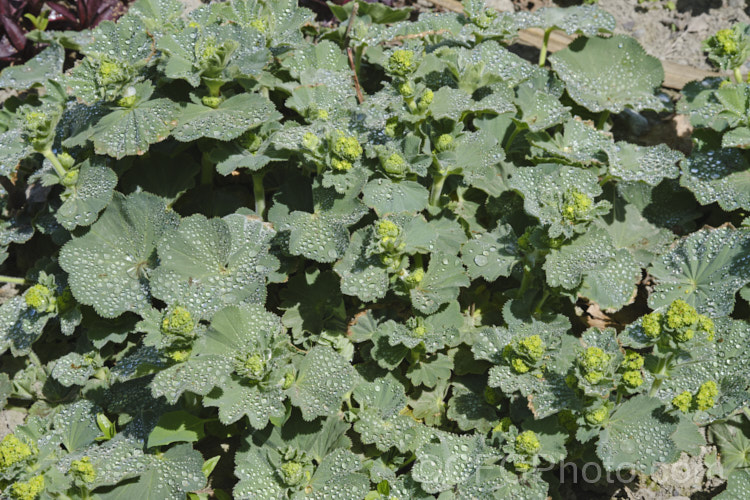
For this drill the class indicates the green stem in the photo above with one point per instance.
(418, 261)
(525, 281)
(513, 135)
(545, 42)
(259, 193)
(436, 190)
(603, 119)
(661, 369)
(55, 162)
(738, 75)
(12, 279)
(358, 53)
(545, 296)
(207, 170)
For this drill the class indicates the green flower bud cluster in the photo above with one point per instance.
(178, 323)
(259, 24)
(631, 370)
(213, 57)
(251, 365)
(681, 321)
(395, 165)
(704, 399)
(112, 72)
(288, 380)
(417, 326)
(594, 363)
(729, 48)
(525, 353)
(425, 101)
(527, 443)
(727, 41)
(444, 143)
(83, 470)
(212, 101)
(28, 490)
(401, 63)
(345, 150)
(576, 206)
(597, 416)
(414, 278)
(40, 298)
(39, 128)
(13, 451)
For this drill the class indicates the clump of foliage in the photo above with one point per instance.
(354, 257)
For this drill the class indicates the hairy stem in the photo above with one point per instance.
(738, 75)
(525, 281)
(52, 157)
(545, 42)
(661, 369)
(436, 190)
(12, 279)
(259, 193)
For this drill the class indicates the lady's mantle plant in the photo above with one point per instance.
(356, 258)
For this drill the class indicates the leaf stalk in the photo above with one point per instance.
(259, 193)
(12, 279)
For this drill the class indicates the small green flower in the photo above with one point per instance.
(425, 100)
(705, 399)
(288, 380)
(310, 141)
(347, 147)
(727, 40)
(681, 315)
(28, 490)
(212, 101)
(40, 298)
(632, 361)
(594, 377)
(632, 378)
(113, 72)
(259, 24)
(12, 451)
(395, 165)
(250, 365)
(532, 346)
(401, 62)
(576, 206)
(594, 359)
(179, 323)
(683, 401)
(388, 231)
(179, 355)
(341, 165)
(652, 324)
(527, 443)
(66, 160)
(83, 469)
(597, 416)
(414, 278)
(292, 472)
(444, 143)
(405, 89)
(519, 365)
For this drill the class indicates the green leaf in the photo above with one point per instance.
(609, 74)
(738, 485)
(587, 20)
(450, 462)
(362, 274)
(157, 481)
(176, 427)
(73, 369)
(721, 176)
(130, 131)
(227, 121)
(443, 280)
(47, 65)
(491, 254)
(430, 371)
(13, 149)
(450, 103)
(20, 326)
(75, 425)
(323, 235)
(108, 266)
(705, 269)
(605, 275)
(539, 110)
(649, 164)
(236, 400)
(157, 14)
(388, 197)
(546, 190)
(209, 263)
(324, 378)
(638, 436)
(469, 409)
(578, 144)
(91, 194)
